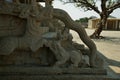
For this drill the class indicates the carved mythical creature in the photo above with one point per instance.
(32, 35)
(63, 16)
(55, 41)
(63, 55)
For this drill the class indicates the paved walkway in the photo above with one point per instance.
(109, 47)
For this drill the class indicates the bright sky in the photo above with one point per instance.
(77, 13)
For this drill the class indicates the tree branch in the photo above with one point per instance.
(85, 3)
(103, 5)
(112, 8)
(93, 7)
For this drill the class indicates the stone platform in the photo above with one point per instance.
(49, 71)
(52, 73)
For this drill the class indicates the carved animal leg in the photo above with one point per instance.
(59, 63)
(64, 54)
(7, 46)
(61, 55)
(76, 58)
(63, 16)
(36, 44)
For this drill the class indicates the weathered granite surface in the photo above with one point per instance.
(35, 44)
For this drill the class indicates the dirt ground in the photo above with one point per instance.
(109, 47)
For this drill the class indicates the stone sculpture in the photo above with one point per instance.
(37, 30)
(36, 44)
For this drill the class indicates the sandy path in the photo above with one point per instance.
(109, 47)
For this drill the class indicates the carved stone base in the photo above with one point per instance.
(56, 77)
(49, 71)
(52, 73)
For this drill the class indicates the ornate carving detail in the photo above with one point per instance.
(31, 28)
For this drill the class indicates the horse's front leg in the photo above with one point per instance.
(7, 45)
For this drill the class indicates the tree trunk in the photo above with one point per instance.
(99, 28)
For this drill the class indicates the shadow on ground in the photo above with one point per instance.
(115, 40)
(108, 63)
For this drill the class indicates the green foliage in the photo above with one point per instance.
(83, 20)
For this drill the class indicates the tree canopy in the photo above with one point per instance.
(106, 8)
(106, 5)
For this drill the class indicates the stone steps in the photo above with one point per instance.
(52, 73)
(56, 77)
